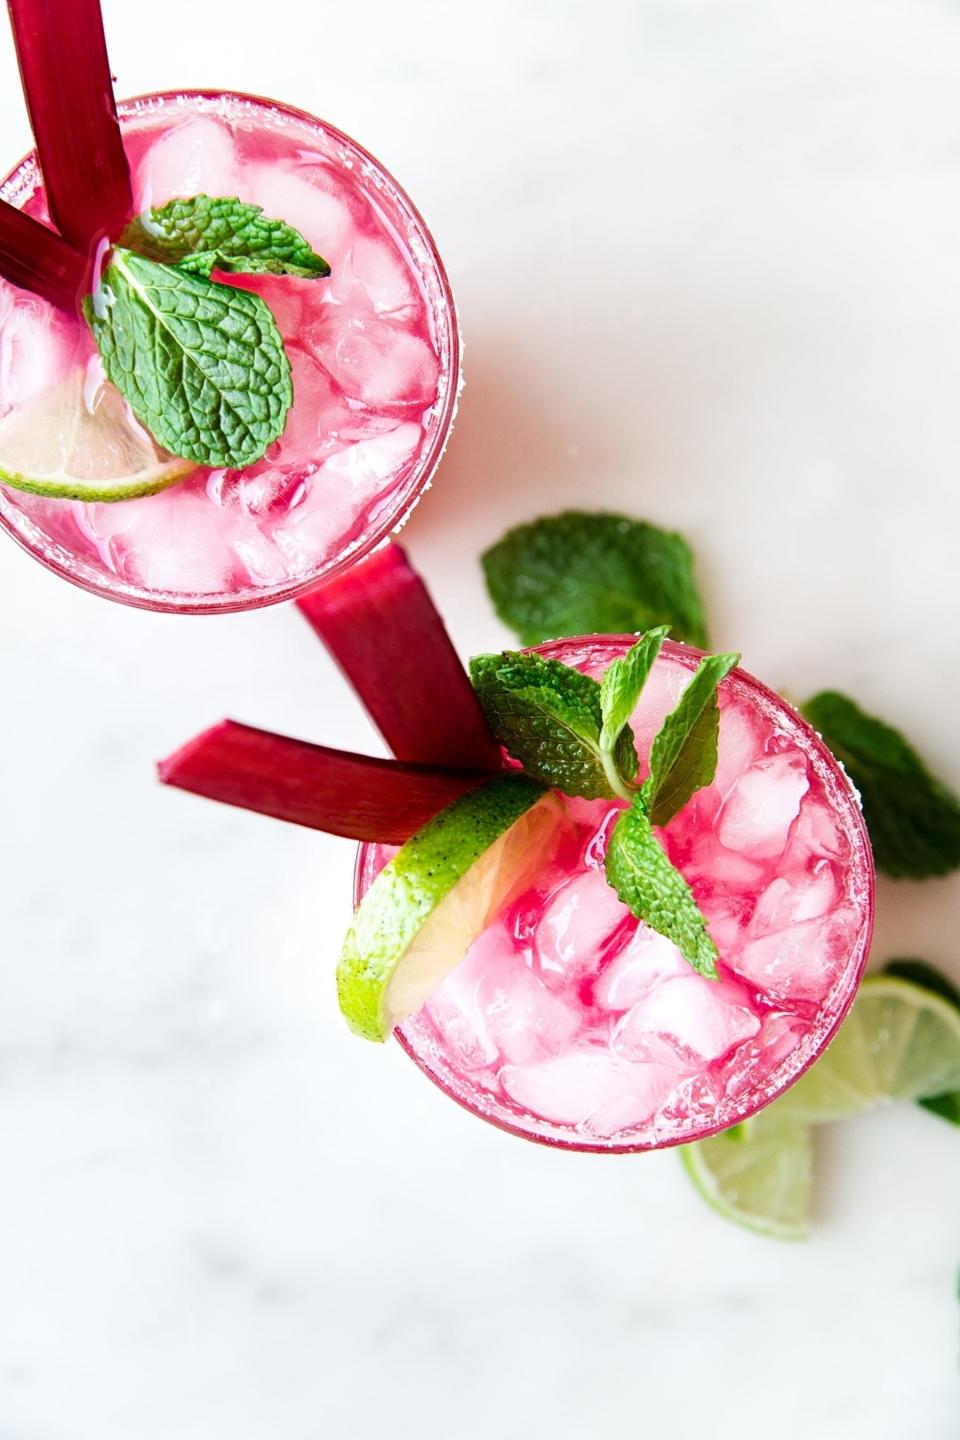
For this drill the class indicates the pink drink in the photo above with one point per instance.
(571, 1023)
(374, 351)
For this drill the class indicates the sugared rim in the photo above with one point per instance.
(401, 505)
(845, 801)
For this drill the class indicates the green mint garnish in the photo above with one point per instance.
(572, 733)
(580, 573)
(201, 365)
(622, 682)
(683, 757)
(221, 232)
(639, 870)
(548, 717)
(913, 819)
(918, 972)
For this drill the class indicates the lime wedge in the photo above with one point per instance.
(64, 447)
(758, 1174)
(438, 893)
(899, 1042)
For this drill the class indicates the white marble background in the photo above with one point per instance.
(707, 257)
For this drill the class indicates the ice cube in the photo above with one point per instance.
(714, 866)
(318, 413)
(693, 1017)
(37, 347)
(816, 834)
(753, 1062)
(727, 916)
(588, 1087)
(739, 745)
(644, 962)
(664, 686)
(801, 963)
(340, 491)
(175, 541)
(578, 928)
(461, 1029)
(526, 1022)
(259, 557)
(195, 157)
(800, 896)
(373, 360)
(386, 281)
(762, 805)
(289, 193)
(284, 295)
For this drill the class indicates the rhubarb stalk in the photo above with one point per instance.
(37, 259)
(384, 631)
(330, 790)
(66, 80)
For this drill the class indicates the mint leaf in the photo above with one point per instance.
(639, 870)
(683, 757)
(547, 715)
(581, 573)
(918, 972)
(913, 819)
(207, 232)
(622, 682)
(201, 365)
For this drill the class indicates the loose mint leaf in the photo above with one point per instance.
(622, 682)
(201, 365)
(580, 573)
(221, 232)
(913, 819)
(946, 1106)
(683, 757)
(547, 716)
(645, 880)
(918, 972)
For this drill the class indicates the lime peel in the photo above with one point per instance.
(761, 1177)
(441, 890)
(60, 447)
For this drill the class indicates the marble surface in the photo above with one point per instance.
(706, 254)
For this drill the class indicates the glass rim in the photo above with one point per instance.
(787, 1074)
(409, 493)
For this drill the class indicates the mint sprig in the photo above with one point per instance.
(913, 819)
(207, 232)
(622, 682)
(683, 757)
(583, 573)
(639, 870)
(201, 365)
(548, 716)
(572, 732)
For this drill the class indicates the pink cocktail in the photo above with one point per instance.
(374, 351)
(570, 1022)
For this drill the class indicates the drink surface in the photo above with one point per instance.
(373, 349)
(569, 1021)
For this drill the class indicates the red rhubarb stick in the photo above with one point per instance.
(66, 80)
(386, 634)
(37, 259)
(331, 790)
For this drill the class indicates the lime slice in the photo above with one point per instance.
(447, 883)
(758, 1174)
(899, 1042)
(61, 446)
